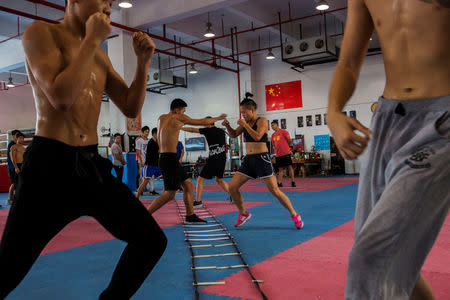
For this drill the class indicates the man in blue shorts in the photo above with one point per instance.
(150, 171)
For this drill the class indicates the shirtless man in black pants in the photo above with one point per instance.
(69, 72)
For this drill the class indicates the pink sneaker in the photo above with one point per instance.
(298, 221)
(242, 219)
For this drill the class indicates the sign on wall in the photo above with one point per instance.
(284, 95)
(134, 125)
(322, 142)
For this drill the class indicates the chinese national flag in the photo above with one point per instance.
(284, 95)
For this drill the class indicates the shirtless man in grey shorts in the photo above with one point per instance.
(404, 195)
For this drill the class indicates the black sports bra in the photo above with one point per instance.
(248, 138)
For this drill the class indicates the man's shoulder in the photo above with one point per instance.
(40, 29)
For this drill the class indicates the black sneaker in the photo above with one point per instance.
(198, 204)
(194, 219)
(280, 184)
(153, 193)
(293, 184)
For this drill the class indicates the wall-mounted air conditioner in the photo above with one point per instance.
(309, 49)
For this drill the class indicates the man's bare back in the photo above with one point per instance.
(17, 152)
(169, 126)
(414, 38)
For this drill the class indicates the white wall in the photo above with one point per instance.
(315, 85)
(17, 110)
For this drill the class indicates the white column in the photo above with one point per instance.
(123, 59)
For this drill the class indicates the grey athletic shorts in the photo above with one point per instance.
(403, 197)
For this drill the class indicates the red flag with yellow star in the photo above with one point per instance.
(284, 95)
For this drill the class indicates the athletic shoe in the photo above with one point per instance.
(293, 184)
(231, 200)
(280, 184)
(198, 204)
(298, 221)
(242, 219)
(194, 219)
(153, 193)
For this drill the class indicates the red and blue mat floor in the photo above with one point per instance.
(294, 264)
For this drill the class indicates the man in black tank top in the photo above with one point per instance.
(215, 165)
(256, 163)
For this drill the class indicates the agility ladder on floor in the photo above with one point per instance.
(208, 233)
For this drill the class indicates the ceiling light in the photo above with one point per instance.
(125, 4)
(209, 33)
(10, 83)
(192, 69)
(270, 54)
(322, 5)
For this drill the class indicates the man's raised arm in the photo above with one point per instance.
(190, 129)
(130, 99)
(205, 121)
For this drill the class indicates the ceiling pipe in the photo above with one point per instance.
(157, 37)
(266, 26)
(240, 54)
(33, 17)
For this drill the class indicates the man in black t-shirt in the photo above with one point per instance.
(215, 165)
(150, 170)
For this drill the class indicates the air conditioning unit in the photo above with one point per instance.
(162, 76)
(161, 80)
(309, 49)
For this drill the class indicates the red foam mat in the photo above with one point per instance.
(317, 269)
(86, 231)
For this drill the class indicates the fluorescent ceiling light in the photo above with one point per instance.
(322, 5)
(209, 33)
(125, 4)
(193, 70)
(270, 54)
(10, 83)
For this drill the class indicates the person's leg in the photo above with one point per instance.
(223, 184)
(422, 290)
(392, 244)
(116, 208)
(199, 189)
(280, 176)
(188, 196)
(236, 182)
(152, 184)
(120, 174)
(11, 194)
(32, 224)
(271, 184)
(291, 174)
(161, 200)
(141, 188)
